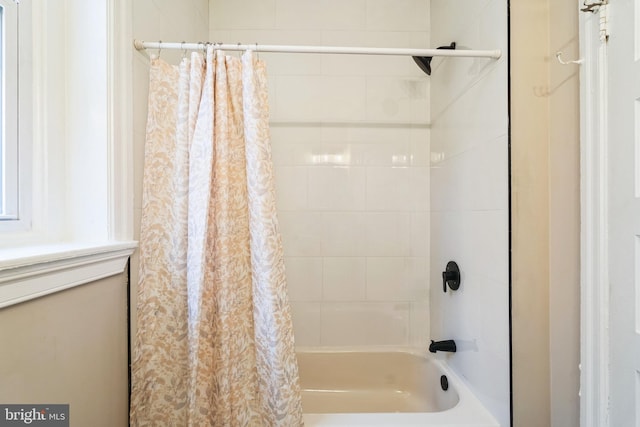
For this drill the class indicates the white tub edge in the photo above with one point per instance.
(469, 412)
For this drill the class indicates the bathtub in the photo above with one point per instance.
(384, 388)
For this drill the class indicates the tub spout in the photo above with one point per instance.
(448, 345)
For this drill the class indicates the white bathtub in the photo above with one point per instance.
(384, 388)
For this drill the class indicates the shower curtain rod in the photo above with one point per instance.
(495, 54)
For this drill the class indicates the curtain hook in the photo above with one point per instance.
(215, 48)
(184, 51)
(257, 52)
(205, 47)
(159, 48)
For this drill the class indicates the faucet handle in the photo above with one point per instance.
(451, 277)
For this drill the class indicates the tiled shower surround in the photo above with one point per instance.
(355, 235)
(384, 174)
(350, 139)
(470, 196)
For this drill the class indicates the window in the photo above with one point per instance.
(66, 175)
(72, 143)
(8, 110)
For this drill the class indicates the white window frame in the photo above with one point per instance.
(9, 117)
(75, 152)
(19, 125)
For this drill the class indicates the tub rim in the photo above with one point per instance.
(468, 411)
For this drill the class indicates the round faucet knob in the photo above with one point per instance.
(451, 277)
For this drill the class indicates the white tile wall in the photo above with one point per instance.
(336, 188)
(388, 234)
(462, 125)
(324, 15)
(344, 279)
(343, 234)
(398, 15)
(398, 188)
(307, 320)
(320, 98)
(418, 246)
(304, 278)
(242, 14)
(361, 324)
(396, 279)
(301, 233)
(469, 196)
(393, 99)
(419, 323)
(486, 191)
(294, 188)
(350, 139)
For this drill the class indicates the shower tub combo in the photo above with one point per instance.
(385, 388)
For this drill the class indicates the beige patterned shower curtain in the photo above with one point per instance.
(214, 343)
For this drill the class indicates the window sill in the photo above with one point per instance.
(32, 272)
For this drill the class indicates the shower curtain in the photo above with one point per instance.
(214, 343)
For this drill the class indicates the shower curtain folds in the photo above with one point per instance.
(214, 343)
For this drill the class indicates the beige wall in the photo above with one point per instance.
(529, 208)
(564, 217)
(545, 214)
(70, 347)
